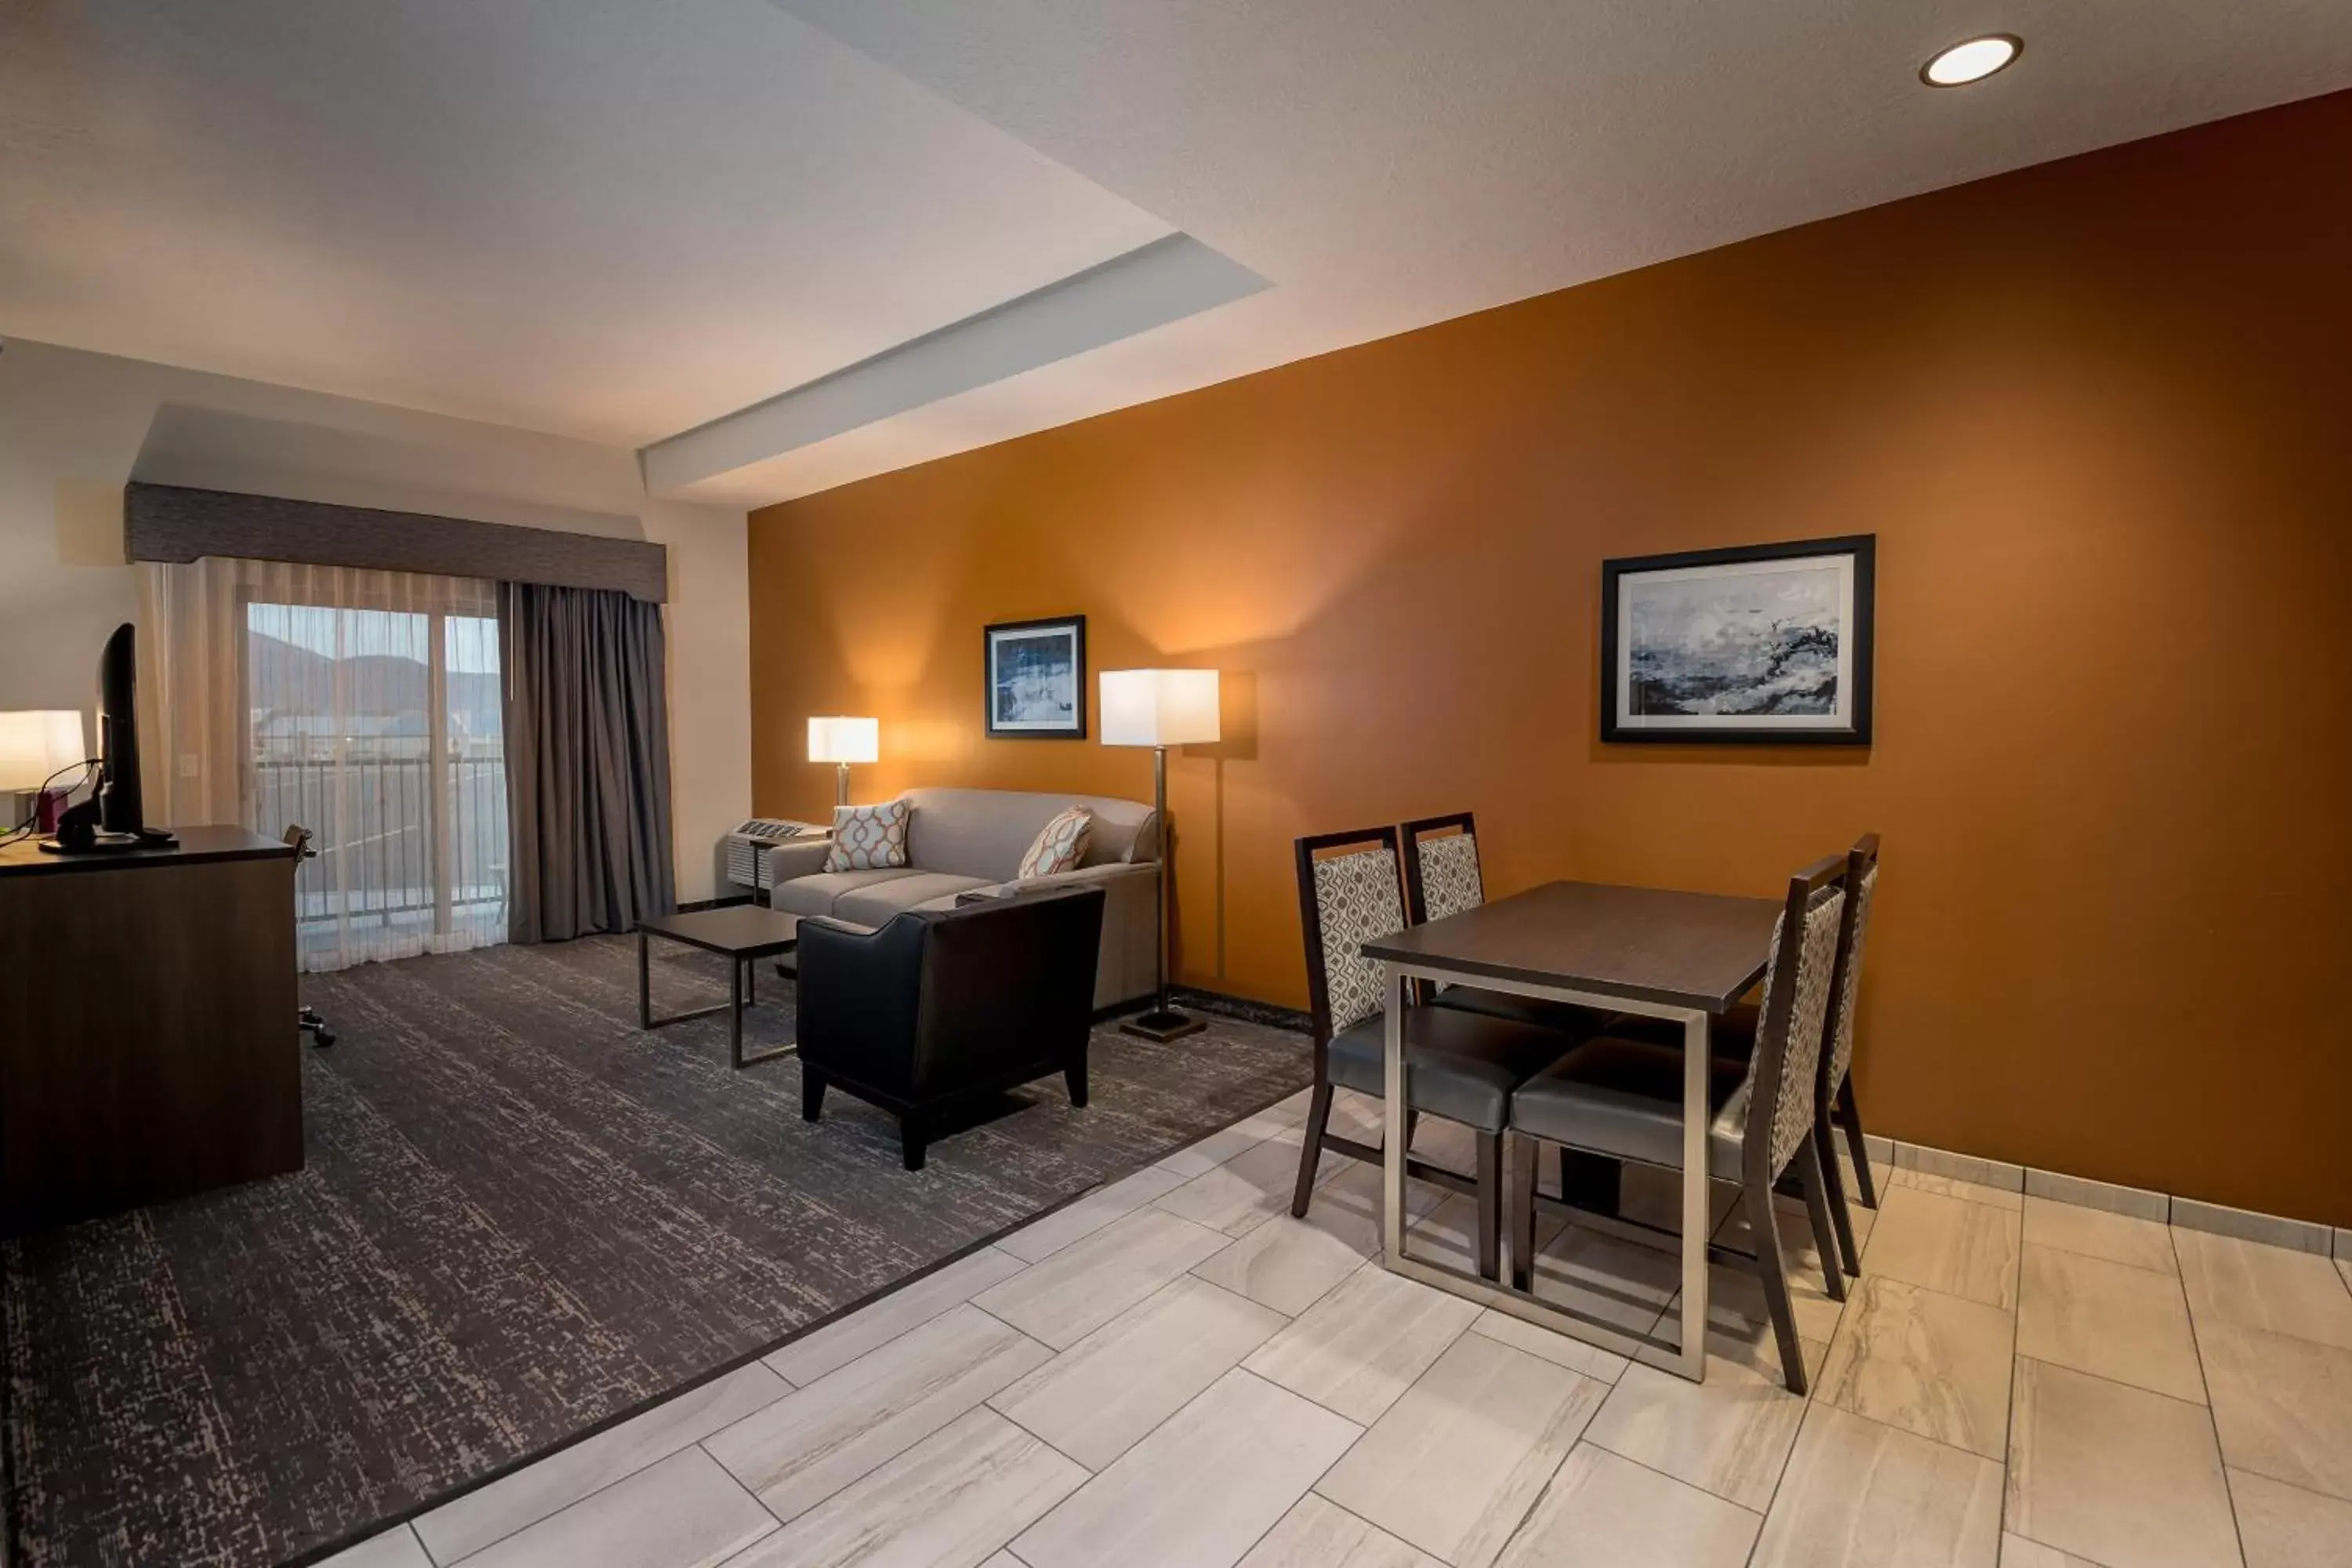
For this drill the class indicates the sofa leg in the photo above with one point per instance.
(911, 1142)
(1075, 1074)
(812, 1093)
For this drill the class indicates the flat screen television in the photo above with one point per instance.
(114, 818)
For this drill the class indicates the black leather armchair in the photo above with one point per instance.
(941, 1005)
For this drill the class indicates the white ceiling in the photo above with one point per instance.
(624, 221)
(602, 218)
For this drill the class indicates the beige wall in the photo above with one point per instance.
(2097, 413)
(74, 427)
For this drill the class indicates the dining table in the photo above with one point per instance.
(1681, 956)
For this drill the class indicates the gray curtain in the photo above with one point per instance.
(587, 740)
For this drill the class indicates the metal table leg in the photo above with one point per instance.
(746, 991)
(1697, 1115)
(1393, 1135)
(735, 1013)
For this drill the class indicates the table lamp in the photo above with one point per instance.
(843, 741)
(1159, 709)
(34, 747)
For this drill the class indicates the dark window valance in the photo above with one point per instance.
(171, 523)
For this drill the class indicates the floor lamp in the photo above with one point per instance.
(1159, 709)
(843, 742)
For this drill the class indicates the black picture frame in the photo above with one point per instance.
(994, 637)
(1855, 556)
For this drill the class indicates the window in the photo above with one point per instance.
(379, 729)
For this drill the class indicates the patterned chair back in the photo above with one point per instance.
(1441, 867)
(1347, 894)
(1861, 882)
(1784, 1074)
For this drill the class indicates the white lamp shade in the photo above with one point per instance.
(839, 740)
(35, 744)
(1159, 706)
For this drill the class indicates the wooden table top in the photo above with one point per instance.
(25, 857)
(1684, 950)
(745, 931)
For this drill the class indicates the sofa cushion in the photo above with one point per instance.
(869, 838)
(816, 895)
(984, 832)
(1059, 844)
(876, 902)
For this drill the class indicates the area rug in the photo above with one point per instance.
(521, 1217)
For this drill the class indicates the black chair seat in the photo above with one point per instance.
(1459, 1064)
(1624, 1097)
(1561, 1017)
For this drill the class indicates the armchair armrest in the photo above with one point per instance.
(1105, 876)
(858, 999)
(788, 860)
(1128, 960)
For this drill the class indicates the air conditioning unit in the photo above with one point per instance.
(748, 846)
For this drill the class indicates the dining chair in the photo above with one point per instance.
(1460, 1065)
(1837, 1076)
(1735, 1037)
(1443, 878)
(1622, 1097)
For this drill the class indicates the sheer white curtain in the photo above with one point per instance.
(363, 705)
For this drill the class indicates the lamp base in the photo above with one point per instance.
(1162, 1024)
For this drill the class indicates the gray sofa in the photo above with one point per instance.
(968, 843)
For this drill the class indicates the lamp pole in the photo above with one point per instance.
(1159, 709)
(1163, 1023)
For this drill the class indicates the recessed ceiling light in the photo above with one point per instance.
(1971, 61)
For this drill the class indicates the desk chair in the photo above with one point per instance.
(306, 1020)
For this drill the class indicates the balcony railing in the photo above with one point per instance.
(396, 845)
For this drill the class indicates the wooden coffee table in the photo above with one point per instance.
(742, 933)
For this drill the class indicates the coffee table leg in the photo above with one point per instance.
(735, 1013)
(644, 984)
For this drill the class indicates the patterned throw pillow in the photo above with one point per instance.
(1059, 843)
(868, 837)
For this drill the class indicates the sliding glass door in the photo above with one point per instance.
(379, 731)
(364, 706)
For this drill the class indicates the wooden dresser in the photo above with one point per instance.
(147, 1040)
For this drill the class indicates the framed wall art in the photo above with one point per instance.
(1036, 673)
(1764, 643)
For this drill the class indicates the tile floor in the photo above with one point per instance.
(1174, 1372)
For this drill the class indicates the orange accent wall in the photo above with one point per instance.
(2099, 415)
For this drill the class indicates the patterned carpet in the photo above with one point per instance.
(521, 1217)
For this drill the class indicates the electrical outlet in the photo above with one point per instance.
(190, 765)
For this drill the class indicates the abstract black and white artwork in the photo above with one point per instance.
(1764, 643)
(1037, 679)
